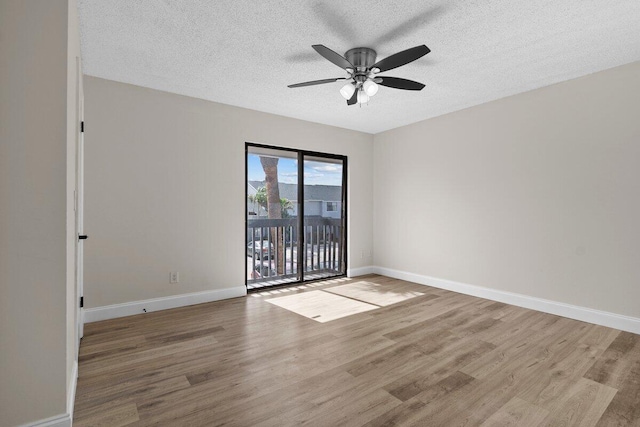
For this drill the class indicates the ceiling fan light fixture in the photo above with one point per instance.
(347, 91)
(363, 98)
(362, 71)
(370, 87)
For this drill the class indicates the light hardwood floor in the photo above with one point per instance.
(435, 359)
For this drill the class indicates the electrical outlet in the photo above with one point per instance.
(174, 277)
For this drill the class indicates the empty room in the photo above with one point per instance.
(320, 213)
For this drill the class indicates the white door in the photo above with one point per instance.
(80, 201)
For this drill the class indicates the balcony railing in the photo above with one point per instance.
(272, 250)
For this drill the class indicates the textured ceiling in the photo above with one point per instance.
(245, 53)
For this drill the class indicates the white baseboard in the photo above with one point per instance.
(598, 317)
(137, 307)
(63, 420)
(71, 398)
(361, 271)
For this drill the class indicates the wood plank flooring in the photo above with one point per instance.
(436, 358)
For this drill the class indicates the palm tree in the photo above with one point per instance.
(273, 203)
(285, 205)
(251, 198)
(261, 199)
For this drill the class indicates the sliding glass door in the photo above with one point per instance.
(295, 216)
(323, 195)
(272, 223)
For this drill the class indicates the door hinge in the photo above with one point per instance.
(81, 302)
(82, 126)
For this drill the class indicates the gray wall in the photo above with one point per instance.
(535, 194)
(165, 189)
(38, 46)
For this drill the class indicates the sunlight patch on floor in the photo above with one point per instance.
(341, 301)
(321, 306)
(374, 293)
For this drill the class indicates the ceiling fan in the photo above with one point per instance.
(363, 80)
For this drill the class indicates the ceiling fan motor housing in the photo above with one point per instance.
(362, 58)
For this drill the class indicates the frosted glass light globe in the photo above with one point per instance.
(370, 87)
(347, 91)
(363, 98)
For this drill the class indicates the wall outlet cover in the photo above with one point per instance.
(174, 277)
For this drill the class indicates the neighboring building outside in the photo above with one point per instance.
(320, 200)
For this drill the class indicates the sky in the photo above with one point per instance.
(315, 173)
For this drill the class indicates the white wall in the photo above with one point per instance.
(35, 275)
(537, 194)
(165, 189)
(74, 90)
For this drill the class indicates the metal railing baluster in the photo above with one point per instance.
(339, 253)
(253, 251)
(333, 248)
(269, 251)
(311, 232)
(276, 248)
(291, 249)
(324, 246)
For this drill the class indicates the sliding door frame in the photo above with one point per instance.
(301, 235)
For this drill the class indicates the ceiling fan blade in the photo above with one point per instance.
(412, 24)
(398, 83)
(330, 55)
(317, 82)
(401, 58)
(354, 98)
